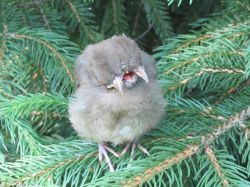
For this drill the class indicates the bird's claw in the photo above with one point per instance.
(104, 149)
(103, 152)
(143, 149)
(133, 147)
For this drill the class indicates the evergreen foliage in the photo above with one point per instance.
(203, 60)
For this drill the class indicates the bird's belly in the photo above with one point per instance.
(106, 129)
(128, 128)
(111, 119)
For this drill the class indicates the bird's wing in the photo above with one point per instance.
(149, 65)
(81, 73)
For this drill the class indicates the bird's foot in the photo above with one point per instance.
(103, 152)
(133, 145)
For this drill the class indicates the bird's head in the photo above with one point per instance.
(128, 78)
(118, 63)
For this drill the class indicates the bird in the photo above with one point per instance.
(117, 98)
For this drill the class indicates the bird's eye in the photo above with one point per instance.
(124, 67)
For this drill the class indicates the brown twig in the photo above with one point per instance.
(114, 16)
(78, 18)
(216, 165)
(144, 33)
(136, 19)
(43, 80)
(235, 121)
(46, 21)
(39, 113)
(233, 90)
(2, 46)
(72, 7)
(200, 38)
(246, 131)
(5, 94)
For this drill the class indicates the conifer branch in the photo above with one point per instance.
(211, 35)
(206, 70)
(232, 90)
(115, 16)
(46, 21)
(216, 165)
(193, 41)
(44, 171)
(158, 17)
(39, 113)
(200, 56)
(45, 90)
(234, 121)
(137, 18)
(72, 7)
(246, 131)
(47, 45)
(2, 42)
(245, 6)
(205, 73)
(114, 21)
(31, 3)
(136, 181)
(5, 93)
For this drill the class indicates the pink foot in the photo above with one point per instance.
(133, 146)
(103, 152)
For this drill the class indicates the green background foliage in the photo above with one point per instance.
(202, 50)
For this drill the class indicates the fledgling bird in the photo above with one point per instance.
(117, 98)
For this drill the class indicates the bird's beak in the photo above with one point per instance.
(117, 83)
(140, 71)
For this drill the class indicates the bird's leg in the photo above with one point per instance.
(103, 152)
(133, 146)
(143, 149)
(125, 149)
(111, 150)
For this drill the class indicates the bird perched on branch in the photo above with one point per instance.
(117, 98)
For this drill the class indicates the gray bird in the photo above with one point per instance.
(117, 98)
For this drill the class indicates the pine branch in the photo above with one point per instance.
(157, 17)
(46, 21)
(138, 13)
(55, 163)
(191, 71)
(229, 31)
(204, 71)
(153, 169)
(233, 90)
(47, 45)
(148, 174)
(170, 2)
(80, 18)
(52, 51)
(114, 21)
(217, 167)
(23, 106)
(202, 141)
(23, 135)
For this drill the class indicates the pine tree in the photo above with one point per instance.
(203, 59)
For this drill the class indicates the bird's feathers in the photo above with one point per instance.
(106, 115)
